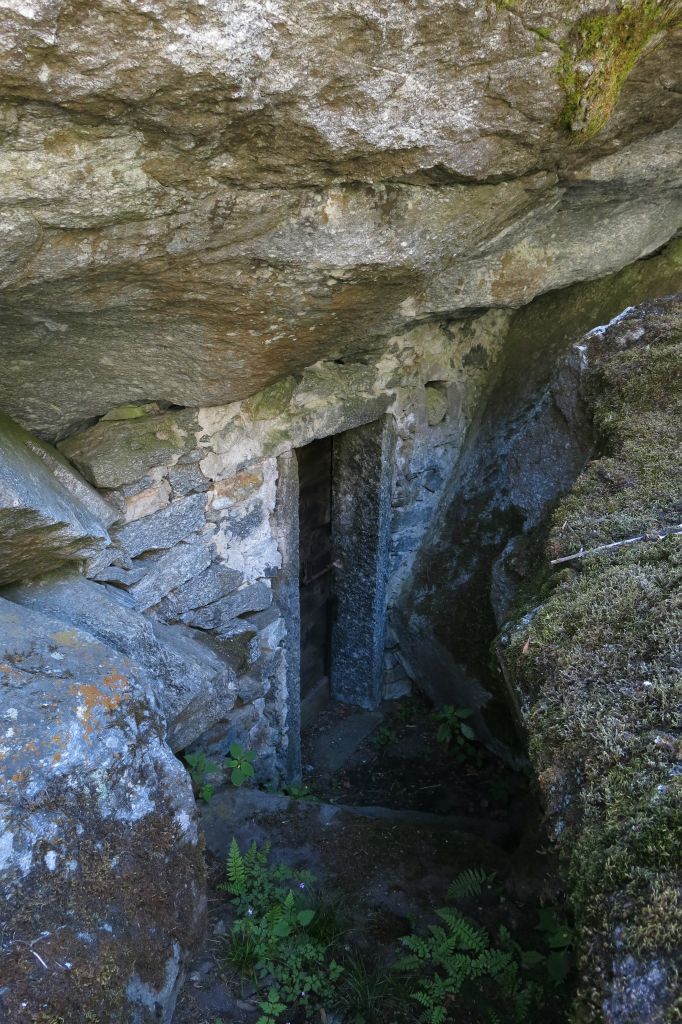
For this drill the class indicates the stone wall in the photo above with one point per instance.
(197, 543)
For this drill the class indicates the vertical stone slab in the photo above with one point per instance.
(361, 505)
(286, 594)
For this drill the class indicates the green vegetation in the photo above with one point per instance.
(292, 943)
(199, 768)
(277, 935)
(239, 762)
(601, 53)
(453, 732)
(458, 965)
(384, 737)
(597, 666)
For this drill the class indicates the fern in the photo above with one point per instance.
(236, 870)
(463, 933)
(469, 883)
(455, 957)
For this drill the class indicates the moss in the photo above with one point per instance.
(596, 666)
(601, 53)
(271, 401)
(634, 488)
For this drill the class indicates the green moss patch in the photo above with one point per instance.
(601, 53)
(597, 669)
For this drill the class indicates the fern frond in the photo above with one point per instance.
(236, 873)
(464, 934)
(469, 883)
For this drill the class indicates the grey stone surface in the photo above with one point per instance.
(100, 856)
(204, 588)
(193, 687)
(334, 746)
(238, 643)
(178, 566)
(187, 479)
(361, 504)
(113, 453)
(253, 598)
(114, 574)
(195, 264)
(164, 528)
(48, 516)
(286, 592)
(199, 687)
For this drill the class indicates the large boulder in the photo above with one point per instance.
(100, 866)
(48, 515)
(195, 689)
(246, 188)
(592, 658)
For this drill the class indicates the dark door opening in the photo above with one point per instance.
(315, 462)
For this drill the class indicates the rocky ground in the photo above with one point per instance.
(385, 828)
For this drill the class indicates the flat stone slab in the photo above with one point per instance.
(334, 746)
(383, 867)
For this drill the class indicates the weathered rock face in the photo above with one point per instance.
(594, 666)
(99, 858)
(48, 515)
(525, 446)
(244, 188)
(195, 689)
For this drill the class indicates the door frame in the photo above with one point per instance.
(362, 488)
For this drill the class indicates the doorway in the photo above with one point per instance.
(315, 468)
(344, 503)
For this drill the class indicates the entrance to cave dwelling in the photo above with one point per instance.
(344, 502)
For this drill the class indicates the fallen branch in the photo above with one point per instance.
(672, 531)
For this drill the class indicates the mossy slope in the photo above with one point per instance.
(597, 670)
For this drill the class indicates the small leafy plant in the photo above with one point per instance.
(240, 762)
(297, 792)
(469, 883)
(455, 733)
(271, 1008)
(275, 939)
(199, 767)
(558, 937)
(384, 736)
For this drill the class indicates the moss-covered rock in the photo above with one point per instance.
(596, 669)
(602, 51)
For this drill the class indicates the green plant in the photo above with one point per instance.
(559, 937)
(298, 792)
(199, 767)
(469, 883)
(365, 990)
(384, 736)
(277, 938)
(271, 1007)
(240, 762)
(455, 955)
(454, 732)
